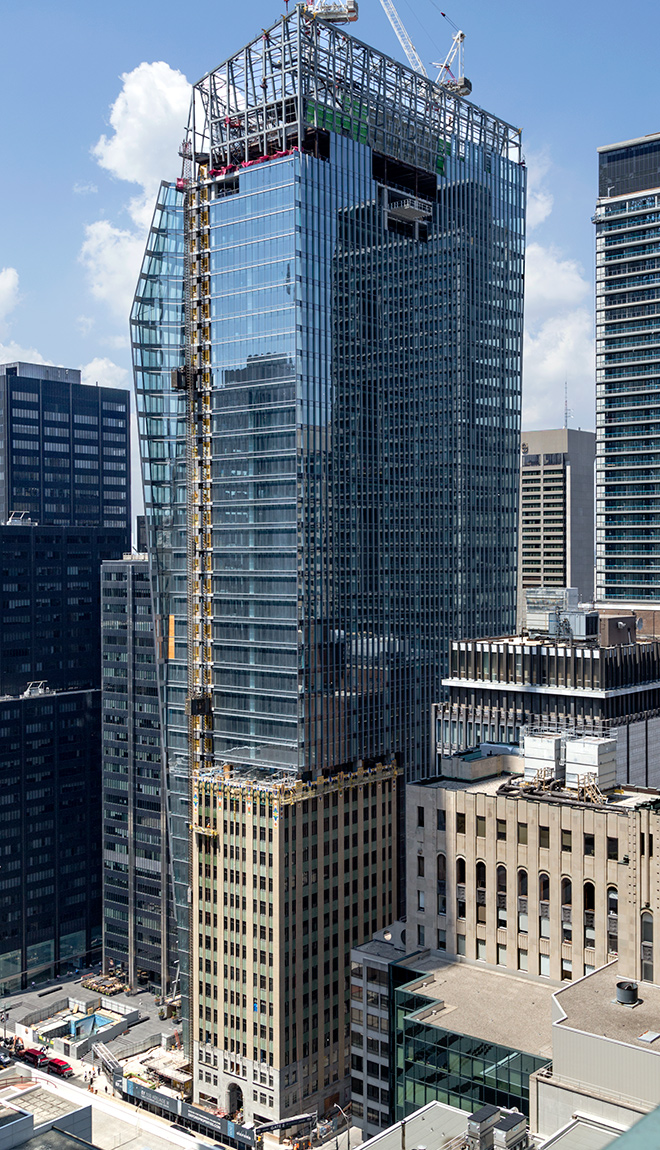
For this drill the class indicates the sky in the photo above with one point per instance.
(93, 106)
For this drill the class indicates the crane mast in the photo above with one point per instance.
(403, 37)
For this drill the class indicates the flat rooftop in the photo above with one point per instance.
(44, 1104)
(590, 1006)
(627, 797)
(378, 948)
(502, 1008)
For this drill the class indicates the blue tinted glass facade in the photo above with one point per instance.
(365, 421)
(628, 373)
(157, 324)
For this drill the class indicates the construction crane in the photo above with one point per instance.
(333, 11)
(458, 84)
(403, 38)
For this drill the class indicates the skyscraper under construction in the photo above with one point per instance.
(327, 336)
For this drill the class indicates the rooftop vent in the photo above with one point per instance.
(626, 993)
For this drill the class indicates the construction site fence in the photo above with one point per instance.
(129, 1049)
(45, 1012)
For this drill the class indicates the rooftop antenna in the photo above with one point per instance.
(567, 410)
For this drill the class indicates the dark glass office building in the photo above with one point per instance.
(65, 448)
(327, 339)
(628, 372)
(138, 934)
(50, 878)
(50, 617)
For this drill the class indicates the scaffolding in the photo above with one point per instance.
(304, 74)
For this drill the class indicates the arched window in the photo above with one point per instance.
(460, 888)
(647, 947)
(589, 897)
(612, 920)
(442, 884)
(566, 910)
(544, 906)
(501, 895)
(522, 901)
(481, 891)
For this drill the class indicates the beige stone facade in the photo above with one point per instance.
(287, 876)
(534, 881)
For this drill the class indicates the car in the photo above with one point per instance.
(60, 1067)
(35, 1058)
(5, 1060)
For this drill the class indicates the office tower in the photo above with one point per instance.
(340, 432)
(556, 545)
(627, 369)
(600, 681)
(51, 863)
(65, 448)
(50, 614)
(549, 868)
(138, 934)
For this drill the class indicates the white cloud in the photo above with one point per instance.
(112, 257)
(12, 352)
(84, 189)
(104, 372)
(551, 282)
(559, 343)
(559, 350)
(9, 294)
(539, 199)
(148, 121)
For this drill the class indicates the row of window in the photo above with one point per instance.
(588, 840)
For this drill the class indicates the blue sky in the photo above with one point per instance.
(92, 104)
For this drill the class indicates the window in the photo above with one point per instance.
(612, 920)
(481, 949)
(647, 947)
(566, 970)
(612, 848)
(501, 954)
(522, 833)
(420, 900)
(589, 846)
(566, 837)
(566, 910)
(544, 965)
(460, 823)
(460, 944)
(460, 888)
(544, 837)
(420, 866)
(481, 891)
(501, 830)
(442, 939)
(589, 896)
(522, 959)
(522, 902)
(441, 820)
(481, 826)
(420, 816)
(442, 884)
(460, 870)
(501, 896)
(544, 906)
(420, 936)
